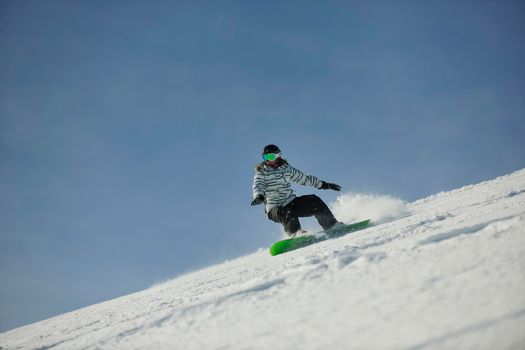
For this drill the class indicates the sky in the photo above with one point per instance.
(129, 130)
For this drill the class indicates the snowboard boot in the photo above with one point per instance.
(292, 235)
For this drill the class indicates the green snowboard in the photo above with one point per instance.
(289, 244)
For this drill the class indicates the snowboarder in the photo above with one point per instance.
(271, 185)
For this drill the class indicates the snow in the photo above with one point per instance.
(353, 207)
(444, 272)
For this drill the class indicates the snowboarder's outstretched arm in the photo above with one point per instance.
(309, 180)
(301, 178)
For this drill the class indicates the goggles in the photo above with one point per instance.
(271, 156)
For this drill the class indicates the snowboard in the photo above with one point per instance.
(290, 244)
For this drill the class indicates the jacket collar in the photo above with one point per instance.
(281, 162)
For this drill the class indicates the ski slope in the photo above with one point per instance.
(448, 272)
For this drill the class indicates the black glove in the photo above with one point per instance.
(329, 186)
(258, 200)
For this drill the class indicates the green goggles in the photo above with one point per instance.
(271, 156)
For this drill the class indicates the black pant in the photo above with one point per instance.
(302, 206)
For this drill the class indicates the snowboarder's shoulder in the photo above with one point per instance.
(284, 164)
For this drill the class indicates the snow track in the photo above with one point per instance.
(446, 275)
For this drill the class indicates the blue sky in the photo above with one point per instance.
(129, 130)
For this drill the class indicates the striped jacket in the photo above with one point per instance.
(274, 184)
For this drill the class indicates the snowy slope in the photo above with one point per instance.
(448, 274)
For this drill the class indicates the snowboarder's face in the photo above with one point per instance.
(273, 163)
(272, 159)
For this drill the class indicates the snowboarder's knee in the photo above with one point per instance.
(314, 198)
(280, 214)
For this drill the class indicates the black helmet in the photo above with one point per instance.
(271, 149)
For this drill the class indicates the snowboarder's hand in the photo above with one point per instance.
(330, 186)
(258, 200)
